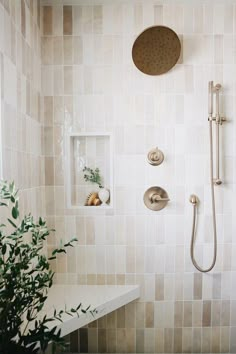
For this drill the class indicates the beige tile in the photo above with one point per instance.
(57, 20)
(74, 341)
(90, 236)
(23, 18)
(178, 316)
(224, 339)
(216, 313)
(58, 110)
(68, 50)
(140, 314)
(159, 287)
(121, 317)
(178, 340)
(91, 279)
(197, 292)
(102, 341)
(49, 171)
(197, 340)
(159, 340)
(216, 288)
(58, 82)
(225, 313)
(187, 340)
(198, 19)
(61, 263)
(48, 110)
(215, 347)
(187, 314)
(168, 340)
(77, 20)
(120, 279)
(111, 320)
(130, 315)
(57, 50)
(121, 340)
(206, 314)
(149, 340)
(58, 140)
(158, 14)
(110, 279)
(131, 340)
(87, 19)
(77, 50)
(47, 50)
(67, 20)
(206, 340)
(139, 341)
(59, 171)
(111, 340)
(68, 80)
(197, 313)
(101, 279)
(149, 315)
(130, 260)
(49, 201)
(102, 322)
(97, 19)
(218, 49)
(47, 20)
(48, 141)
(92, 340)
(180, 60)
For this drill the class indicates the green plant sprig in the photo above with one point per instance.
(25, 279)
(93, 176)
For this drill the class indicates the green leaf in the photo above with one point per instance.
(15, 212)
(51, 258)
(12, 223)
(4, 249)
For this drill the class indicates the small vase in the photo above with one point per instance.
(104, 195)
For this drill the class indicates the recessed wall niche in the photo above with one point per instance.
(94, 151)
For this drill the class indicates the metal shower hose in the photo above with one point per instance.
(213, 214)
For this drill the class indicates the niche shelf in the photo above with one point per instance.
(94, 150)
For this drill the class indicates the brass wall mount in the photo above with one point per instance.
(155, 198)
(156, 50)
(155, 157)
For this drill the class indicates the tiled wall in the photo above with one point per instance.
(90, 84)
(20, 66)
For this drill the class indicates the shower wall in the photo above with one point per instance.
(90, 84)
(20, 74)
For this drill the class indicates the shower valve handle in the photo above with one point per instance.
(156, 198)
(155, 157)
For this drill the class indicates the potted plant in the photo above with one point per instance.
(93, 176)
(25, 279)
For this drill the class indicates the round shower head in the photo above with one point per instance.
(156, 50)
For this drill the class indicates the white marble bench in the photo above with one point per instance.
(103, 298)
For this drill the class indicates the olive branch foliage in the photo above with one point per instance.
(25, 279)
(92, 176)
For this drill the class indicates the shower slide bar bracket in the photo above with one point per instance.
(218, 120)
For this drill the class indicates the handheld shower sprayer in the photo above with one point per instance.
(213, 116)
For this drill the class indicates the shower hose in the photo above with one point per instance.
(213, 214)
